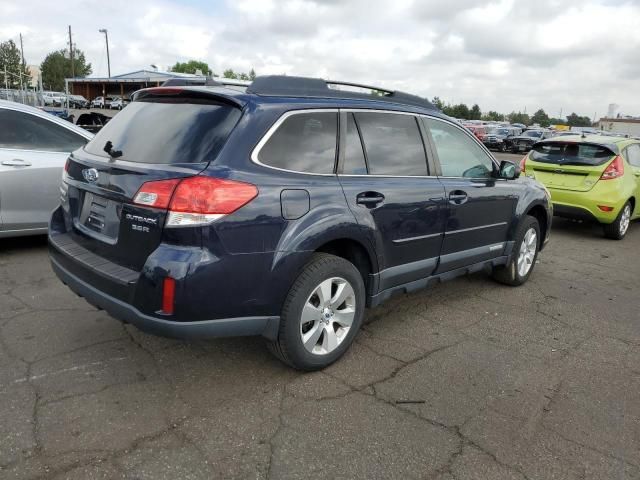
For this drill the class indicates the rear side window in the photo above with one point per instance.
(304, 142)
(392, 143)
(570, 153)
(24, 131)
(163, 133)
(633, 154)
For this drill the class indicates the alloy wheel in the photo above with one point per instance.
(327, 316)
(527, 253)
(625, 219)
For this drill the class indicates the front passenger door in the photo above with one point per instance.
(480, 207)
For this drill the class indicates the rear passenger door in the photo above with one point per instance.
(384, 174)
(633, 157)
(33, 152)
(480, 207)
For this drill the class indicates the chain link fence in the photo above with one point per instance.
(21, 96)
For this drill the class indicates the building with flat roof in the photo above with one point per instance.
(627, 126)
(120, 85)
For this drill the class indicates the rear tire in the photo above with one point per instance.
(524, 255)
(321, 314)
(619, 228)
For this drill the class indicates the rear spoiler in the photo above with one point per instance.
(200, 93)
(615, 150)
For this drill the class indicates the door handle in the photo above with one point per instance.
(458, 197)
(16, 162)
(369, 199)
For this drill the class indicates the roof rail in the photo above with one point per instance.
(286, 86)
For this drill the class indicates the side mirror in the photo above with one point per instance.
(509, 170)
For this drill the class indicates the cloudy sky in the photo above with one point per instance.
(505, 55)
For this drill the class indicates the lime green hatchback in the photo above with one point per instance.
(592, 177)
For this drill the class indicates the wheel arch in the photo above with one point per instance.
(539, 212)
(355, 252)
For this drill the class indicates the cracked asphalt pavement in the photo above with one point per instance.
(466, 380)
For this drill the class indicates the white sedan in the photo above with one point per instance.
(34, 146)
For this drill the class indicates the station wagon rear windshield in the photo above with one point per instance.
(166, 132)
(571, 153)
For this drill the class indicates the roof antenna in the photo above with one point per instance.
(584, 135)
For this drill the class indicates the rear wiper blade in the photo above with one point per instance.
(108, 147)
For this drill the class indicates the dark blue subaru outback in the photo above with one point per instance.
(284, 211)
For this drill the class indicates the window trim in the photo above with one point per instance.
(433, 161)
(255, 154)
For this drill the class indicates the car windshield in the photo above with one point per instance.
(533, 133)
(571, 153)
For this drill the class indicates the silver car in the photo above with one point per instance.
(34, 146)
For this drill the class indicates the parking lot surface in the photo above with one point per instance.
(469, 379)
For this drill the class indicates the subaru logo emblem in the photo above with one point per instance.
(90, 175)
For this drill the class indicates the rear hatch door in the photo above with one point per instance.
(163, 136)
(569, 165)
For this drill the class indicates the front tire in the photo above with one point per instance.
(525, 252)
(619, 228)
(321, 314)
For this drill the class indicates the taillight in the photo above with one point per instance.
(614, 170)
(66, 165)
(523, 164)
(195, 200)
(156, 194)
(164, 90)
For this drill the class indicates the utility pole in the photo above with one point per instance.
(22, 50)
(106, 38)
(73, 73)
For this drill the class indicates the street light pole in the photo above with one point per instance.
(106, 37)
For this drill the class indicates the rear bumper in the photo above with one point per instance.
(584, 205)
(223, 327)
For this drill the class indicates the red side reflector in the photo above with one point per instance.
(168, 295)
(604, 208)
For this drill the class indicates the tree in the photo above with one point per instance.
(492, 116)
(575, 120)
(191, 67)
(475, 113)
(57, 66)
(229, 73)
(541, 118)
(244, 76)
(439, 104)
(10, 59)
(519, 117)
(457, 111)
(557, 121)
(252, 74)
